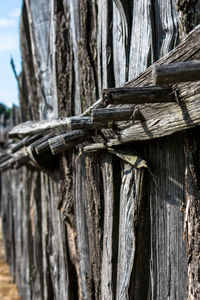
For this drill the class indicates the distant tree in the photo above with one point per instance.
(4, 110)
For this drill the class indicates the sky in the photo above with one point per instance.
(9, 46)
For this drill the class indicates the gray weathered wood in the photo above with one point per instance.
(107, 256)
(81, 204)
(43, 147)
(31, 139)
(14, 162)
(176, 72)
(137, 95)
(24, 142)
(61, 42)
(7, 164)
(162, 119)
(168, 250)
(41, 140)
(112, 114)
(142, 51)
(60, 125)
(17, 146)
(21, 161)
(67, 140)
(101, 146)
(129, 204)
(5, 157)
(191, 210)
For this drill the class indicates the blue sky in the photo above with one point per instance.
(9, 46)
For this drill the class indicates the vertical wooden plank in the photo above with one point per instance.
(141, 45)
(168, 250)
(64, 60)
(35, 240)
(57, 258)
(132, 184)
(42, 38)
(120, 36)
(106, 268)
(75, 34)
(166, 33)
(55, 268)
(67, 207)
(104, 45)
(81, 205)
(192, 232)
(95, 212)
(87, 53)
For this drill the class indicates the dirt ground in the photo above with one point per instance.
(8, 290)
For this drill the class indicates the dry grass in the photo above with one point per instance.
(8, 290)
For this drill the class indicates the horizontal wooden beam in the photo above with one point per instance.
(167, 118)
(21, 161)
(8, 164)
(176, 72)
(42, 148)
(138, 95)
(42, 141)
(112, 114)
(5, 157)
(60, 125)
(17, 146)
(101, 146)
(25, 142)
(68, 140)
(31, 139)
(14, 162)
(160, 119)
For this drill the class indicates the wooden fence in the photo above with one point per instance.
(88, 225)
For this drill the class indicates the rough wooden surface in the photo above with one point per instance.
(138, 95)
(112, 114)
(167, 197)
(160, 120)
(176, 73)
(58, 125)
(68, 140)
(69, 232)
(192, 212)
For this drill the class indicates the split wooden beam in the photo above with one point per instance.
(138, 95)
(176, 72)
(58, 125)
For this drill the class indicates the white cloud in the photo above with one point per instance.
(15, 13)
(7, 22)
(8, 42)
